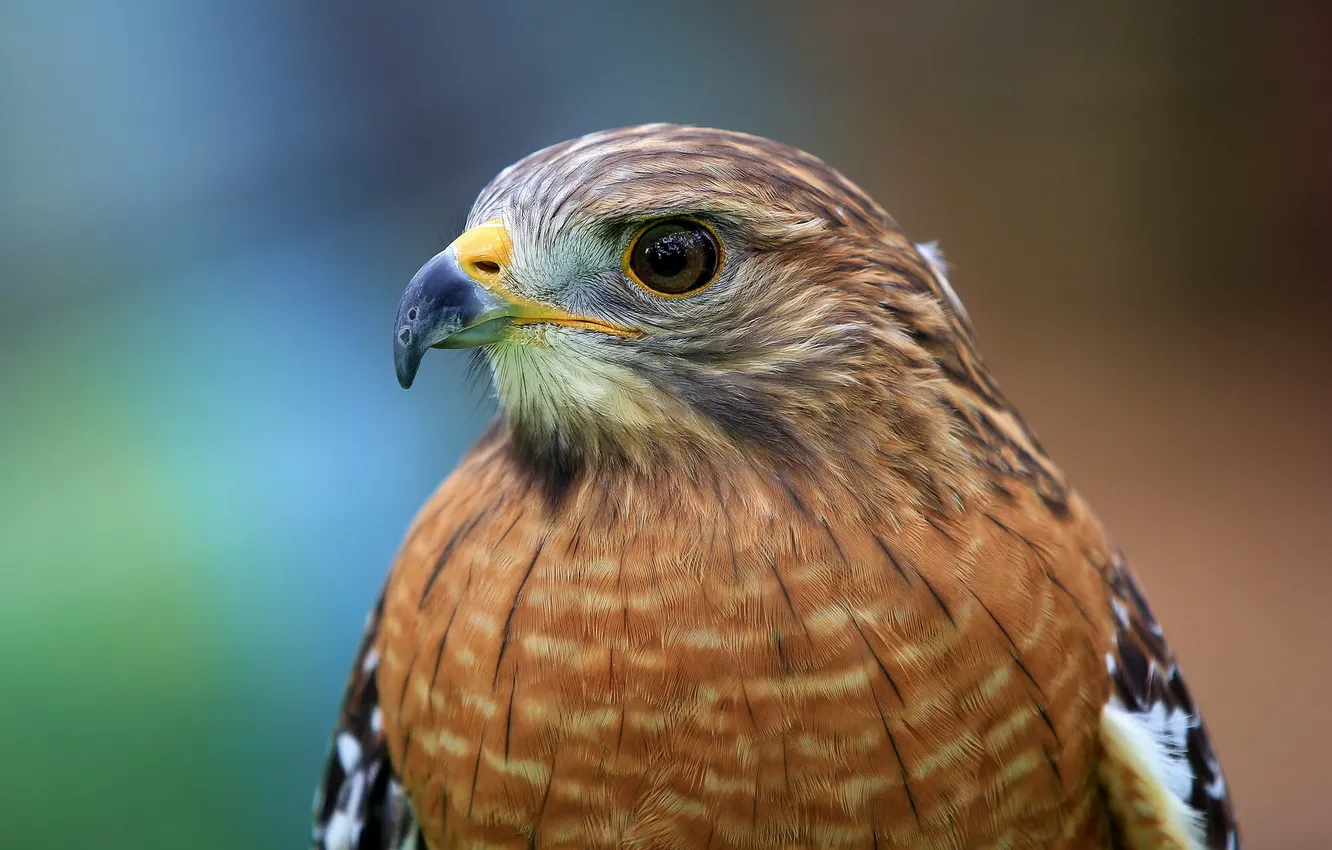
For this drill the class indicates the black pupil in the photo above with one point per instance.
(669, 255)
(675, 257)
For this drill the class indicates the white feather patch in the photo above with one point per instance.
(1147, 778)
(344, 827)
(934, 258)
(349, 752)
(1169, 727)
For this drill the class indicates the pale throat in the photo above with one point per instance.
(582, 402)
(564, 398)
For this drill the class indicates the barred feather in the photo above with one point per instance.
(1150, 688)
(781, 567)
(360, 804)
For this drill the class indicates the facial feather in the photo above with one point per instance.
(818, 346)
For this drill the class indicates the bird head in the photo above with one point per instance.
(665, 289)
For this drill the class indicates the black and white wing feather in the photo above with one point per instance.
(1156, 741)
(360, 805)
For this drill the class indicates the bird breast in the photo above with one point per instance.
(735, 665)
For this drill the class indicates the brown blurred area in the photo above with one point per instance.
(1137, 204)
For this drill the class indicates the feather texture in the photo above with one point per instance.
(785, 569)
(1187, 791)
(360, 804)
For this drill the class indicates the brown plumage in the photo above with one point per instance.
(768, 564)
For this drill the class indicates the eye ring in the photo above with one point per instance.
(674, 257)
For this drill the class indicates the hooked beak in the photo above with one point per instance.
(456, 300)
(448, 303)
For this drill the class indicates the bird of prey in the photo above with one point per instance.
(756, 554)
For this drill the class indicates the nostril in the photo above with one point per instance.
(405, 336)
(411, 314)
(486, 267)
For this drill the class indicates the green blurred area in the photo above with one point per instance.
(130, 718)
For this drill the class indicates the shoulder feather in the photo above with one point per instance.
(360, 804)
(1162, 779)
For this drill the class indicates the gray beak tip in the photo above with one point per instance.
(406, 356)
(405, 377)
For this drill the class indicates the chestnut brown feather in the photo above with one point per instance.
(786, 570)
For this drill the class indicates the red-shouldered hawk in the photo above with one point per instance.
(757, 554)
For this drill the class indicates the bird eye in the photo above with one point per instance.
(674, 257)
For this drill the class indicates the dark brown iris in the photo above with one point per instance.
(674, 257)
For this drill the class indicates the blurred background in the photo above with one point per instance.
(208, 211)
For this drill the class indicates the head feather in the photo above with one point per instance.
(829, 342)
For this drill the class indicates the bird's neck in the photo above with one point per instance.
(865, 469)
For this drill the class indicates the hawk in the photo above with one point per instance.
(756, 555)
